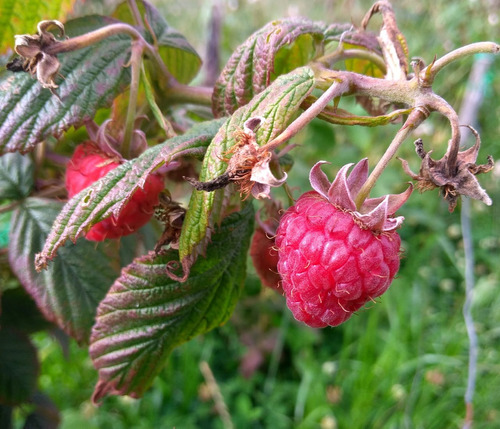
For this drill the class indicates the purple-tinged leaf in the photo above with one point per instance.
(16, 176)
(91, 78)
(108, 195)
(277, 105)
(278, 48)
(70, 290)
(146, 313)
(18, 367)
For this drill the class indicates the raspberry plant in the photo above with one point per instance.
(122, 83)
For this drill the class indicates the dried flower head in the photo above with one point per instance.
(454, 181)
(32, 49)
(249, 166)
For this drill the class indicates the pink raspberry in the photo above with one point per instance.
(88, 165)
(333, 257)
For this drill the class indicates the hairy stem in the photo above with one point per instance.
(96, 36)
(429, 73)
(135, 64)
(136, 15)
(439, 104)
(416, 117)
(180, 93)
(342, 54)
(337, 88)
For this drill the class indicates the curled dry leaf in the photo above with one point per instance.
(456, 181)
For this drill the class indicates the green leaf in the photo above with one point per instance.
(146, 314)
(254, 63)
(20, 17)
(108, 195)
(181, 59)
(18, 367)
(277, 104)
(343, 117)
(91, 78)
(16, 176)
(70, 290)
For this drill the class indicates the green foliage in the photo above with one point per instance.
(107, 195)
(146, 313)
(16, 176)
(92, 77)
(178, 55)
(402, 363)
(69, 280)
(277, 104)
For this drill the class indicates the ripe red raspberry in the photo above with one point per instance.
(334, 258)
(88, 165)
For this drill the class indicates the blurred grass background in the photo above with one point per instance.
(401, 364)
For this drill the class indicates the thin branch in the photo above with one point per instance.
(132, 4)
(468, 114)
(340, 55)
(216, 394)
(88, 39)
(336, 89)
(429, 73)
(135, 65)
(415, 118)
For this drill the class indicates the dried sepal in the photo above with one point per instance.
(248, 167)
(171, 214)
(376, 214)
(453, 182)
(33, 52)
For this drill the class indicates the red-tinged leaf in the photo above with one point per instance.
(18, 367)
(277, 104)
(253, 65)
(70, 290)
(16, 176)
(91, 78)
(146, 314)
(108, 195)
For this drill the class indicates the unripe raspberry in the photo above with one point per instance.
(334, 258)
(88, 165)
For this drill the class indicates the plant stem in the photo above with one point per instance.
(96, 36)
(336, 89)
(136, 15)
(135, 64)
(342, 54)
(414, 120)
(429, 73)
(180, 93)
